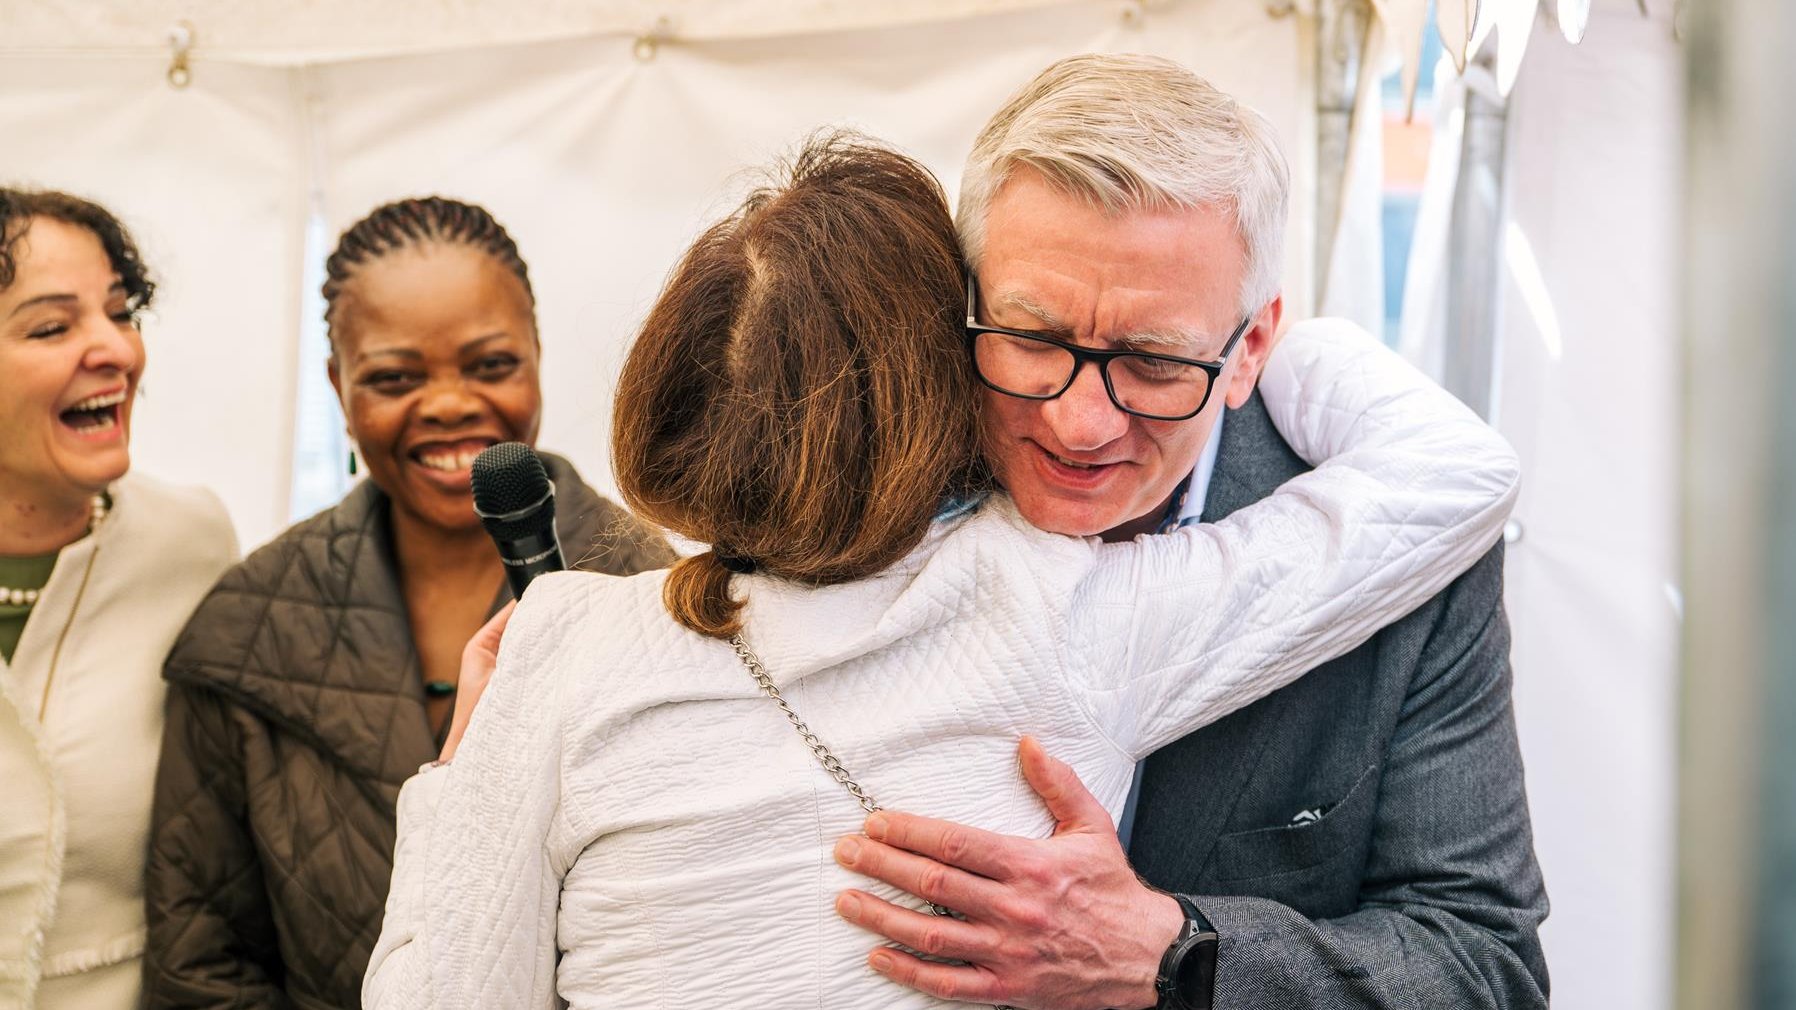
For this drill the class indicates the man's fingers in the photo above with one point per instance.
(963, 983)
(935, 935)
(971, 895)
(971, 849)
(1059, 786)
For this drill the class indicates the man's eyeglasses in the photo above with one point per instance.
(1033, 366)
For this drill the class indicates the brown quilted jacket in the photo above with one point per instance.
(295, 712)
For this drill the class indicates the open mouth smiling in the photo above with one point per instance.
(450, 459)
(1063, 461)
(95, 415)
(1073, 475)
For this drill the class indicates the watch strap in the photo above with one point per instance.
(1196, 931)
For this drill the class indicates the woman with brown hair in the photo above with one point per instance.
(99, 568)
(321, 672)
(644, 807)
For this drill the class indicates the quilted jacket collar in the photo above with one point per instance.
(311, 633)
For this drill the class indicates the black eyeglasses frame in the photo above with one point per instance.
(1081, 355)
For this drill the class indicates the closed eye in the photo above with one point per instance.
(494, 366)
(1158, 369)
(389, 380)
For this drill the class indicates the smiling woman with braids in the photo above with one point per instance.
(321, 671)
(98, 570)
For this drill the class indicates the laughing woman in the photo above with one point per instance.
(321, 672)
(98, 571)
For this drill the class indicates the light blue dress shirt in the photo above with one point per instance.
(1190, 510)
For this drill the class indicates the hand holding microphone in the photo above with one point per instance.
(477, 662)
(516, 504)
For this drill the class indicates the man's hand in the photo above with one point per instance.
(1060, 923)
(478, 659)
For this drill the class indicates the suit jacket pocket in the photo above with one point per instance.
(1270, 852)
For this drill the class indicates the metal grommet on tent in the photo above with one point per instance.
(180, 44)
(648, 44)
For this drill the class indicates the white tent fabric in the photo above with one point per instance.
(1589, 396)
(326, 30)
(603, 165)
(1587, 368)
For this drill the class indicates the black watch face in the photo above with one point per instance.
(1194, 978)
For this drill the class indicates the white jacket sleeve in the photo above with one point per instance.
(1409, 489)
(478, 865)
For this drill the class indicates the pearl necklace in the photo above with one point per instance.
(29, 597)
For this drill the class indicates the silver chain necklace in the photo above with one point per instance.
(818, 748)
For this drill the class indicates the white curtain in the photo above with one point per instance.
(1352, 282)
(1587, 367)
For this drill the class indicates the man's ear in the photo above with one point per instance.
(1256, 345)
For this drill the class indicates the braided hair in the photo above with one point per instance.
(405, 224)
(19, 206)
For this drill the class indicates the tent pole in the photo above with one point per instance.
(1340, 46)
(1475, 244)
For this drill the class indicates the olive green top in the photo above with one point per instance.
(20, 573)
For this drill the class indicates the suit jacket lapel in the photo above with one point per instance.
(1251, 463)
(1189, 788)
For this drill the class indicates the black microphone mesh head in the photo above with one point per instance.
(506, 478)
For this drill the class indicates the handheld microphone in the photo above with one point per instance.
(516, 504)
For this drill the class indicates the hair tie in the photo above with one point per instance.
(734, 562)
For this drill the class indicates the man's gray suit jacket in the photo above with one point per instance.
(1360, 838)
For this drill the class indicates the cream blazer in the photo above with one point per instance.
(80, 730)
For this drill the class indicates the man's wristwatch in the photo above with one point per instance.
(1187, 979)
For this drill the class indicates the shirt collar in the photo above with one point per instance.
(1187, 507)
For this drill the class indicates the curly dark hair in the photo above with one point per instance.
(403, 224)
(19, 206)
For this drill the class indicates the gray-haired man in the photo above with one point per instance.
(1361, 838)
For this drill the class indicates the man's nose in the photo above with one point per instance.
(1083, 418)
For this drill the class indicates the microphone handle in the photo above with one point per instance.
(529, 555)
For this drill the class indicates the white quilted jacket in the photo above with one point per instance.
(629, 823)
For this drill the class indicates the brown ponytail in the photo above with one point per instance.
(800, 392)
(697, 593)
